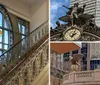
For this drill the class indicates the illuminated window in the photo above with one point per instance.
(23, 27)
(6, 33)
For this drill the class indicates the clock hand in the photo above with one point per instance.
(73, 34)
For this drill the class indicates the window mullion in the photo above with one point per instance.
(21, 30)
(8, 39)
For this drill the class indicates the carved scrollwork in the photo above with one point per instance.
(85, 36)
(31, 68)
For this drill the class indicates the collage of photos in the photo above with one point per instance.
(75, 42)
(49, 42)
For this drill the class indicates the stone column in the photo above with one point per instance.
(30, 74)
(79, 52)
(21, 81)
(69, 62)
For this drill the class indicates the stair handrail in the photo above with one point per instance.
(8, 57)
(23, 38)
(32, 57)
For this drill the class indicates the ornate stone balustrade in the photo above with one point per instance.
(14, 55)
(21, 64)
(82, 78)
(26, 73)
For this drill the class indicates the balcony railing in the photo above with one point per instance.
(11, 58)
(82, 77)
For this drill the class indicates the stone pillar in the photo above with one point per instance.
(79, 52)
(56, 66)
(69, 62)
(61, 61)
(30, 75)
(21, 82)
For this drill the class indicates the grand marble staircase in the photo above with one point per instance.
(26, 63)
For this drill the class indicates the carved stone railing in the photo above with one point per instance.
(82, 77)
(29, 69)
(18, 52)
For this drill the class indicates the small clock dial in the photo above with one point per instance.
(72, 34)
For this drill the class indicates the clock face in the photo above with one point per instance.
(72, 34)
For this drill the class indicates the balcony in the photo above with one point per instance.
(82, 78)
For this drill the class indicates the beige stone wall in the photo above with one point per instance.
(40, 16)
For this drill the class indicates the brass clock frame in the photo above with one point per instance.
(70, 28)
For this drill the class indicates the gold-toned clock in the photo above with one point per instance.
(72, 33)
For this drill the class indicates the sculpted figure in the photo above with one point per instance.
(75, 62)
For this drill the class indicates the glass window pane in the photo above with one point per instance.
(23, 29)
(5, 24)
(5, 36)
(0, 35)
(23, 36)
(19, 27)
(0, 46)
(0, 52)
(5, 47)
(0, 19)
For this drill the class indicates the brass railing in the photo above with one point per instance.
(27, 72)
(15, 54)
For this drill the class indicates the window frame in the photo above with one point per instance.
(21, 23)
(8, 29)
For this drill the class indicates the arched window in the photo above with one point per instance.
(6, 36)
